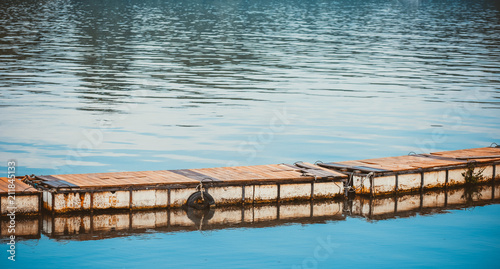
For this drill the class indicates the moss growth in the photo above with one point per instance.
(470, 175)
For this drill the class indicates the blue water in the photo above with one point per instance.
(132, 85)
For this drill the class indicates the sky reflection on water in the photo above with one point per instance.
(196, 84)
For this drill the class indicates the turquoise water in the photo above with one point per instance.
(89, 87)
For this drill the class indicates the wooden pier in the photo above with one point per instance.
(263, 183)
(172, 188)
(420, 171)
(120, 223)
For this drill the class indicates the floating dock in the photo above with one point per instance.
(420, 171)
(264, 183)
(120, 223)
(172, 188)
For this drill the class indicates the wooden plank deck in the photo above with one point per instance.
(21, 187)
(476, 154)
(265, 173)
(236, 175)
(433, 160)
(401, 163)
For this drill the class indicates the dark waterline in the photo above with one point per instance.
(90, 86)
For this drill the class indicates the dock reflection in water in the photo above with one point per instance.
(97, 226)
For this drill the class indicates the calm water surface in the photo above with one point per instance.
(87, 86)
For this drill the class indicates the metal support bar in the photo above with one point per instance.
(421, 181)
(53, 202)
(253, 195)
(494, 172)
(40, 203)
(397, 183)
(279, 191)
(168, 198)
(371, 186)
(312, 190)
(130, 200)
(243, 194)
